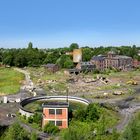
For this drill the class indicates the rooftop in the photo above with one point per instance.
(122, 56)
(49, 65)
(86, 63)
(98, 58)
(56, 105)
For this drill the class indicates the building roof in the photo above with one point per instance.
(56, 105)
(85, 63)
(98, 58)
(49, 65)
(73, 70)
(122, 57)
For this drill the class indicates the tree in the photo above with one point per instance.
(30, 45)
(65, 61)
(68, 63)
(51, 57)
(20, 60)
(8, 60)
(80, 114)
(74, 46)
(87, 53)
(16, 132)
(93, 112)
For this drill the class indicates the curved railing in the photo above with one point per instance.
(28, 113)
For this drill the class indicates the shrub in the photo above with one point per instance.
(92, 113)
(51, 128)
(30, 119)
(37, 118)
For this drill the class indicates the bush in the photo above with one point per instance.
(80, 114)
(92, 113)
(77, 131)
(37, 118)
(30, 119)
(15, 132)
(51, 128)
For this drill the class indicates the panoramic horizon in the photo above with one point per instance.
(69, 70)
(53, 24)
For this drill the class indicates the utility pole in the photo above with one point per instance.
(67, 93)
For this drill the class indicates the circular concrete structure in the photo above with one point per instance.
(28, 113)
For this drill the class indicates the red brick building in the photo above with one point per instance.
(56, 113)
(99, 62)
(112, 61)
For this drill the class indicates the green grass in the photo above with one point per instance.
(111, 117)
(127, 75)
(10, 81)
(41, 73)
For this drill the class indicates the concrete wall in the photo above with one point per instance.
(28, 113)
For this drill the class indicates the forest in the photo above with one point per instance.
(30, 56)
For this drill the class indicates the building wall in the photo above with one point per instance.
(136, 63)
(78, 66)
(114, 62)
(100, 64)
(77, 55)
(56, 117)
(110, 62)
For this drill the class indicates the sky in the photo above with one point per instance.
(58, 23)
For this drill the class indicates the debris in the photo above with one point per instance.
(117, 92)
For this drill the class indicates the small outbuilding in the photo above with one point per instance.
(56, 113)
(51, 67)
(85, 66)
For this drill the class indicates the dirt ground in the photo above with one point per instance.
(5, 109)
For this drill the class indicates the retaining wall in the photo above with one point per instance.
(28, 113)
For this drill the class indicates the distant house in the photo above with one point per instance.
(51, 67)
(85, 66)
(112, 61)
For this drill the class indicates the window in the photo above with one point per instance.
(52, 122)
(58, 111)
(59, 123)
(51, 111)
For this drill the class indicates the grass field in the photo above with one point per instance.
(10, 81)
(37, 106)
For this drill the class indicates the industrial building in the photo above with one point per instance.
(112, 60)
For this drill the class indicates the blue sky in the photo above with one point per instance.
(58, 23)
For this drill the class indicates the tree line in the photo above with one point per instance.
(31, 56)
